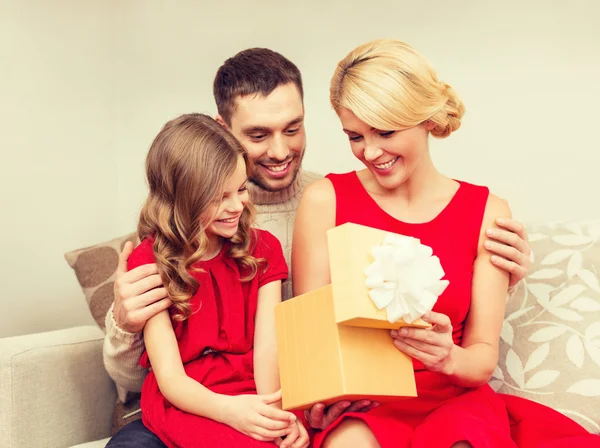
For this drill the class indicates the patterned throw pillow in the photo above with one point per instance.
(95, 268)
(550, 341)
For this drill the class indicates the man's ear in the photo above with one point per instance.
(219, 119)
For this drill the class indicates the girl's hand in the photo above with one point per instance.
(432, 346)
(258, 417)
(298, 438)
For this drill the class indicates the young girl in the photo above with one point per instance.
(214, 376)
(389, 99)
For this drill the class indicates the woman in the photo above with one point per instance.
(389, 100)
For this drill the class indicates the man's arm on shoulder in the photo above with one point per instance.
(138, 297)
(122, 351)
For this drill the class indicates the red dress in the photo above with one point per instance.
(215, 343)
(444, 413)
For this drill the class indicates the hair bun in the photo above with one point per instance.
(448, 119)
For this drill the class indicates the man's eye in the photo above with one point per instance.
(292, 131)
(258, 136)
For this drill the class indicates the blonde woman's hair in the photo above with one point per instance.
(390, 86)
(186, 168)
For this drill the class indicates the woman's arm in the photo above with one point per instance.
(310, 255)
(473, 362)
(266, 367)
(175, 385)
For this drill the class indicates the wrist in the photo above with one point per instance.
(223, 406)
(450, 365)
(119, 332)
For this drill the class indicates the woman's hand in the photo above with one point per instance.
(258, 417)
(432, 346)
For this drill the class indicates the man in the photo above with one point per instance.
(259, 98)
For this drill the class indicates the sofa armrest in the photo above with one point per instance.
(54, 390)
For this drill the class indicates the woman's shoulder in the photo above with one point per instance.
(320, 193)
(497, 207)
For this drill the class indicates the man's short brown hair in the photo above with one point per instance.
(252, 71)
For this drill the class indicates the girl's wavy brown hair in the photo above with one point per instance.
(186, 168)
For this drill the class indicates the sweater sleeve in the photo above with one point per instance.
(122, 350)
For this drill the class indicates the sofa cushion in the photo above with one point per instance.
(97, 444)
(550, 341)
(95, 268)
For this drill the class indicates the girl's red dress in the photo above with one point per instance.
(216, 344)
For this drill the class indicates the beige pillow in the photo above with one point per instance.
(550, 341)
(95, 268)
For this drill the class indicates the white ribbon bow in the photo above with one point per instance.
(405, 278)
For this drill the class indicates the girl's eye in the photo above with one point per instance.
(387, 133)
(241, 190)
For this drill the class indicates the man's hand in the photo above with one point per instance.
(510, 248)
(138, 294)
(320, 418)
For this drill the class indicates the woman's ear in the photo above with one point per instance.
(429, 125)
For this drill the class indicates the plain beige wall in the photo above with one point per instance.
(58, 169)
(85, 86)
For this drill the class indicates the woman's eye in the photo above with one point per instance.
(355, 138)
(387, 133)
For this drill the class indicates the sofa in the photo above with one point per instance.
(54, 391)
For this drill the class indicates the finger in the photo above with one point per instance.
(337, 409)
(516, 271)
(271, 434)
(269, 423)
(273, 398)
(315, 415)
(139, 273)
(143, 314)
(421, 346)
(417, 334)
(509, 252)
(291, 437)
(150, 297)
(359, 406)
(141, 286)
(440, 321)
(510, 239)
(302, 440)
(273, 413)
(372, 406)
(514, 226)
(425, 358)
(123, 257)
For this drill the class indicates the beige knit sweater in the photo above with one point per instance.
(276, 213)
